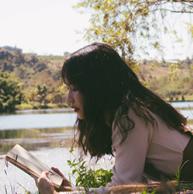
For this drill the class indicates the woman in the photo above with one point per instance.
(117, 115)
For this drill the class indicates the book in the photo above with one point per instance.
(30, 164)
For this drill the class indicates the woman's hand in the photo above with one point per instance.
(66, 185)
(45, 186)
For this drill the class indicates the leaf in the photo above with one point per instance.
(117, 21)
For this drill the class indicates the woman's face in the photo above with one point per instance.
(75, 101)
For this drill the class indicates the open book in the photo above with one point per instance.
(31, 165)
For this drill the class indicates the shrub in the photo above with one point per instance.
(87, 177)
(10, 93)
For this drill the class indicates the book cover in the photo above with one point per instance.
(27, 162)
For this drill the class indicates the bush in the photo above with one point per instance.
(10, 93)
(24, 106)
(87, 177)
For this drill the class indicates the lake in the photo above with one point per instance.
(188, 104)
(58, 118)
(48, 135)
(38, 119)
(36, 128)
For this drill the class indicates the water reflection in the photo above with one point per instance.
(50, 144)
(33, 139)
(36, 129)
(14, 179)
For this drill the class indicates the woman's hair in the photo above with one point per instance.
(109, 88)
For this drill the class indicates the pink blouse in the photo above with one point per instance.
(160, 145)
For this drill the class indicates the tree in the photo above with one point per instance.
(10, 92)
(58, 94)
(42, 92)
(118, 22)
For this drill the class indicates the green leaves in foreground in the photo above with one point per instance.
(88, 178)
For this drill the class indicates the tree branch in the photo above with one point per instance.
(170, 10)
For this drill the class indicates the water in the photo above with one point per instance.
(13, 179)
(49, 128)
(59, 118)
(48, 135)
(182, 104)
(44, 120)
(188, 114)
(17, 182)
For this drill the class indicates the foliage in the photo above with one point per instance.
(32, 69)
(42, 92)
(121, 22)
(10, 92)
(171, 80)
(87, 177)
(57, 95)
(24, 106)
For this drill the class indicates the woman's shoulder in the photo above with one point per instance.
(133, 123)
(133, 118)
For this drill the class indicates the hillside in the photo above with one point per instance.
(171, 80)
(31, 68)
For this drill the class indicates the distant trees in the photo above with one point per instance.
(46, 96)
(58, 95)
(10, 92)
(121, 22)
(42, 92)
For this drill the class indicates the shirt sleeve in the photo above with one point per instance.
(130, 155)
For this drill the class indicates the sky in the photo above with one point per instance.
(52, 27)
(42, 26)
(174, 45)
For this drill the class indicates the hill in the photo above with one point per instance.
(171, 80)
(31, 68)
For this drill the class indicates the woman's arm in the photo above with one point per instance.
(130, 156)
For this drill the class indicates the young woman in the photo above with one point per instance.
(117, 115)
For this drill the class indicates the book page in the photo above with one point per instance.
(30, 164)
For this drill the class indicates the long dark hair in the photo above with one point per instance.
(109, 88)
